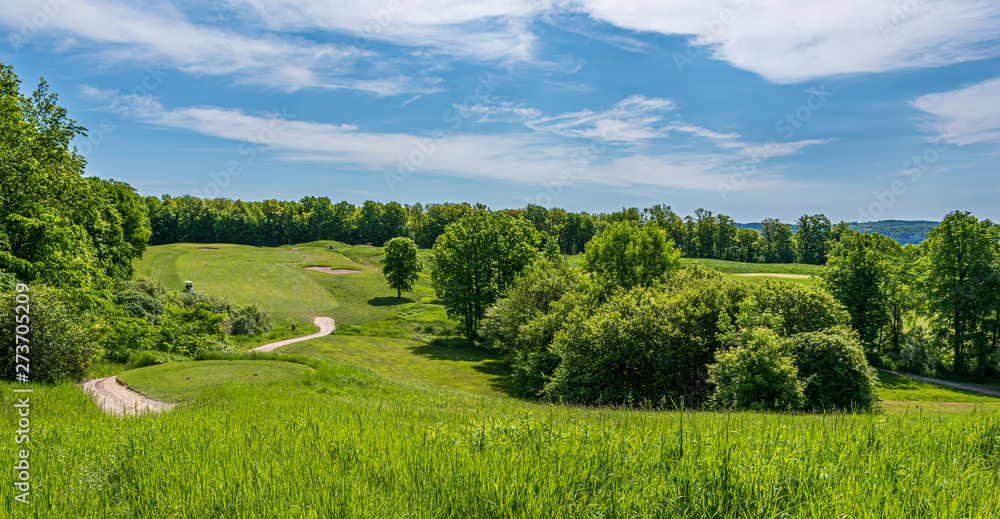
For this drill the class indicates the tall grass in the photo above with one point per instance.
(345, 442)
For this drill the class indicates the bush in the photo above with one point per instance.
(187, 330)
(642, 345)
(141, 359)
(140, 304)
(149, 286)
(59, 347)
(120, 337)
(756, 375)
(803, 309)
(524, 323)
(249, 320)
(834, 372)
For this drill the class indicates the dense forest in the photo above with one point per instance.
(272, 223)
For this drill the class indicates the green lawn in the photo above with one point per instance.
(461, 368)
(276, 279)
(181, 381)
(895, 387)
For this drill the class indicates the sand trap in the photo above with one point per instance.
(295, 248)
(115, 398)
(207, 248)
(786, 276)
(326, 327)
(330, 270)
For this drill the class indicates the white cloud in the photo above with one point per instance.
(114, 32)
(527, 158)
(790, 41)
(965, 116)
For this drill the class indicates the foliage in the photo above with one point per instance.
(625, 255)
(812, 236)
(188, 329)
(59, 346)
(866, 273)
(833, 369)
(755, 374)
(523, 324)
(961, 282)
(476, 260)
(139, 304)
(401, 265)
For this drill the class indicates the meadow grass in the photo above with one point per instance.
(895, 387)
(345, 442)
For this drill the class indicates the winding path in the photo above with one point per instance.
(956, 385)
(326, 327)
(115, 398)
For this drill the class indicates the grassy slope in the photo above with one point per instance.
(180, 381)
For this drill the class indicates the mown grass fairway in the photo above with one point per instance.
(180, 381)
(276, 278)
(464, 369)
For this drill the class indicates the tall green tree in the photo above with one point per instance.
(960, 262)
(864, 273)
(477, 259)
(401, 266)
(779, 246)
(812, 237)
(627, 255)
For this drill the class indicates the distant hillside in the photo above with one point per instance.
(903, 231)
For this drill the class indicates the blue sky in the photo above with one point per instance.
(860, 110)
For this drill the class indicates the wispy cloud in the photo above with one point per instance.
(789, 41)
(968, 115)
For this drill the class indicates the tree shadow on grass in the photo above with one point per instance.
(389, 301)
(489, 362)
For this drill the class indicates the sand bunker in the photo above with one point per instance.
(330, 270)
(786, 276)
(207, 248)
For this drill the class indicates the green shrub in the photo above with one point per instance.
(249, 320)
(187, 330)
(140, 304)
(120, 336)
(834, 372)
(59, 347)
(756, 375)
(141, 359)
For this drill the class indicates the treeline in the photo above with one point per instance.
(67, 244)
(273, 223)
